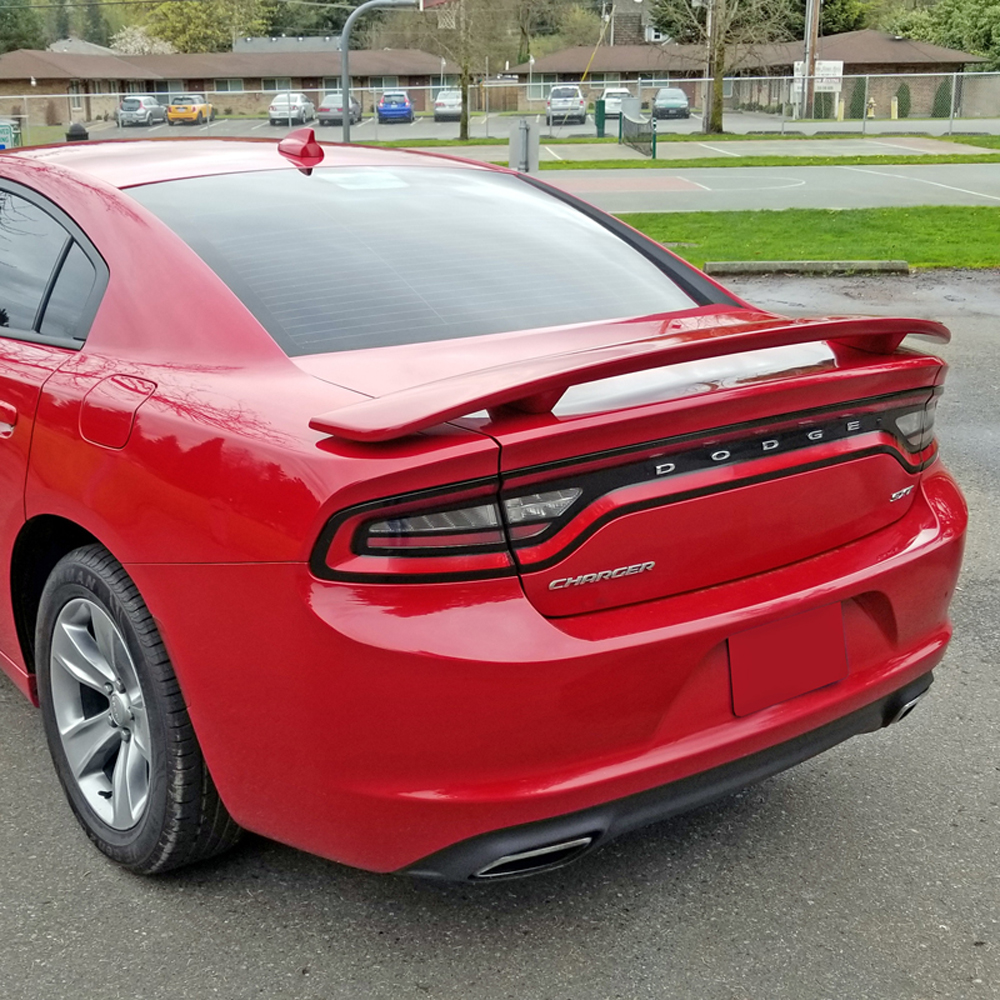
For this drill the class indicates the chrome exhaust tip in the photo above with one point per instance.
(904, 710)
(541, 859)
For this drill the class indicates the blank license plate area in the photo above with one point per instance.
(783, 659)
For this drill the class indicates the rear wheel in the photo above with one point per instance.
(200, 119)
(116, 723)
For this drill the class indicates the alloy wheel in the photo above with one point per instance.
(100, 713)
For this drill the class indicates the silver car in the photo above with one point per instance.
(140, 110)
(448, 106)
(286, 108)
(566, 103)
(331, 109)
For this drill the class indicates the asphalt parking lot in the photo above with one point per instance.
(869, 873)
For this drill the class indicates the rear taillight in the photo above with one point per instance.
(917, 426)
(406, 539)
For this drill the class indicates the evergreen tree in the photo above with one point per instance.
(20, 27)
(61, 20)
(95, 26)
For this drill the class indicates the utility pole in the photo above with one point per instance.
(809, 62)
(345, 48)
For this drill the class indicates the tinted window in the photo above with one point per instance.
(361, 257)
(65, 309)
(131, 104)
(564, 92)
(31, 242)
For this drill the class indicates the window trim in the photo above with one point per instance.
(74, 234)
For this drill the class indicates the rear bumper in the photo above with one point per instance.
(526, 850)
(379, 725)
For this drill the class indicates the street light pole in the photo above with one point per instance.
(345, 47)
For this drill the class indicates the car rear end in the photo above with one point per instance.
(184, 109)
(330, 109)
(575, 571)
(671, 103)
(613, 102)
(565, 103)
(395, 107)
(132, 111)
(448, 106)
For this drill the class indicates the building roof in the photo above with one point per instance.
(863, 48)
(80, 47)
(620, 58)
(24, 64)
(289, 43)
(854, 48)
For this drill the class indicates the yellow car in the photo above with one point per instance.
(189, 108)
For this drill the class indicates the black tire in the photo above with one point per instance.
(200, 120)
(89, 601)
(170, 121)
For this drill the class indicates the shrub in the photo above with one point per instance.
(823, 105)
(856, 107)
(942, 100)
(51, 118)
(903, 100)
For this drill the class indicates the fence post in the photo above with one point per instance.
(864, 110)
(951, 111)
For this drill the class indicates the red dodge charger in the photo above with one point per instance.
(418, 515)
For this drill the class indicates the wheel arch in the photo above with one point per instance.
(40, 544)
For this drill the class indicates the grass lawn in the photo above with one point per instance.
(948, 236)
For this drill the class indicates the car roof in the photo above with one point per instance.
(127, 163)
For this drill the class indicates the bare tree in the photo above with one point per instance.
(729, 30)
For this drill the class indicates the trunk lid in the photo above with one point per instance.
(645, 459)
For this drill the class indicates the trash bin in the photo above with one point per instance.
(76, 133)
(599, 117)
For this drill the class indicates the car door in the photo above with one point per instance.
(51, 282)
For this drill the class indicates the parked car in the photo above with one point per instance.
(395, 106)
(461, 579)
(331, 109)
(192, 108)
(448, 106)
(140, 110)
(612, 98)
(671, 102)
(565, 103)
(291, 109)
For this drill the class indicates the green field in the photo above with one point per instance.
(950, 236)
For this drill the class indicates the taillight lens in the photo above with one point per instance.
(917, 426)
(452, 537)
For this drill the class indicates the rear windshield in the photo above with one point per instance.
(675, 95)
(564, 92)
(131, 104)
(365, 257)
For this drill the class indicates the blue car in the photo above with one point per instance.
(395, 106)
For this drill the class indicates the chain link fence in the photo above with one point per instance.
(936, 103)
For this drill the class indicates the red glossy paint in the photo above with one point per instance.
(374, 719)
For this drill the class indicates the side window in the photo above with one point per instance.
(31, 244)
(67, 303)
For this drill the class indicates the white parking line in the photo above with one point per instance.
(695, 183)
(552, 152)
(921, 180)
(155, 128)
(717, 149)
(254, 128)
